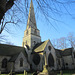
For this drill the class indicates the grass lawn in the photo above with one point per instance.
(23, 74)
(4, 74)
(65, 74)
(68, 72)
(19, 74)
(15, 74)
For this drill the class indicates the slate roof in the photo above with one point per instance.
(10, 50)
(40, 46)
(58, 53)
(67, 52)
(64, 52)
(13, 58)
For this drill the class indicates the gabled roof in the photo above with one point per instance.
(10, 50)
(64, 52)
(40, 46)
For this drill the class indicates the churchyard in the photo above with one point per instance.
(64, 72)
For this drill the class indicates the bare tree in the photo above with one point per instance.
(60, 43)
(3, 39)
(64, 42)
(18, 12)
(5, 5)
(46, 7)
(71, 39)
(8, 16)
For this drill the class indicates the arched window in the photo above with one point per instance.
(4, 63)
(36, 59)
(50, 60)
(21, 62)
(49, 47)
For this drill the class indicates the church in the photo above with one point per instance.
(30, 56)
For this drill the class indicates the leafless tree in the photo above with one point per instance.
(71, 39)
(60, 43)
(46, 7)
(3, 39)
(12, 12)
(5, 5)
(64, 42)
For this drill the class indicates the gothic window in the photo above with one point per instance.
(36, 59)
(50, 60)
(21, 62)
(49, 47)
(4, 63)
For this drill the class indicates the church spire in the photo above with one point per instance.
(31, 34)
(31, 17)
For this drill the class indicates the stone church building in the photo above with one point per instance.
(31, 55)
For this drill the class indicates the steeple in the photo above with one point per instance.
(31, 34)
(31, 17)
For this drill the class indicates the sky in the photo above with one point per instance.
(61, 25)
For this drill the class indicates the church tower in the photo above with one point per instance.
(31, 34)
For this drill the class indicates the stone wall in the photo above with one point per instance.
(68, 62)
(1, 58)
(10, 66)
(52, 51)
(17, 67)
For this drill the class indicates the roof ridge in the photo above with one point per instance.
(11, 45)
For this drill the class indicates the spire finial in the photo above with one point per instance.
(31, 4)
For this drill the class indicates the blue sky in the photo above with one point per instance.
(47, 31)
